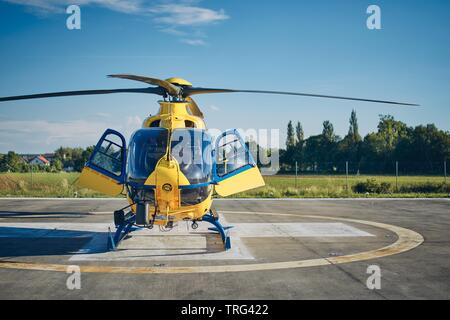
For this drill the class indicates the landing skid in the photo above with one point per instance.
(121, 233)
(223, 231)
(126, 227)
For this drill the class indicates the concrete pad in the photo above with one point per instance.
(416, 274)
(181, 243)
(319, 229)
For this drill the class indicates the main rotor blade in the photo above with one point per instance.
(157, 91)
(195, 110)
(189, 91)
(170, 88)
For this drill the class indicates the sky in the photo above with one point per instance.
(321, 46)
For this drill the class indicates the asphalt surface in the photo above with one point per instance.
(72, 232)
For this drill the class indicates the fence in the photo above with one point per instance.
(412, 177)
(406, 168)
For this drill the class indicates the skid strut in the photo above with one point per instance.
(123, 229)
(223, 231)
(125, 226)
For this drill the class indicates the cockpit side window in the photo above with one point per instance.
(109, 155)
(231, 154)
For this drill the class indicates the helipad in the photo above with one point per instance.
(264, 239)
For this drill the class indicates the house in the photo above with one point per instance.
(40, 161)
(50, 157)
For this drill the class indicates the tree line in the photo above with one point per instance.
(72, 159)
(419, 150)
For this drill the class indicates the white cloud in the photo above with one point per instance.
(35, 136)
(132, 124)
(185, 15)
(194, 42)
(173, 31)
(43, 136)
(103, 115)
(54, 6)
(169, 15)
(173, 13)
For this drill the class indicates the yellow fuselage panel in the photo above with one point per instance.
(91, 179)
(194, 212)
(174, 115)
(179, 81)
(241, 182)
(167, 178)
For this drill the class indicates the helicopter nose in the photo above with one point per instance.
(166, 181)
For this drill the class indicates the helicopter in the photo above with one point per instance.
(171, 167)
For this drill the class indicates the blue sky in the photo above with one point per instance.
(320, 46)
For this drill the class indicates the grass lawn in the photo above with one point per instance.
(42, 184)
(335, 186)
(64, 185)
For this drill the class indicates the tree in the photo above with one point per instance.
(290, 140)
(423, 149)
(299, 146)
(312, 152)
(373, 156)
(299, 134)
(391, 131)
(328, 131)
(288, 156)
(58, 165)
(349, 149)
(328, 147)
(353, 131)
(12, 162)
(73, 157)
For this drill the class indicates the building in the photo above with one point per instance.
(50, 157)
(39, 160)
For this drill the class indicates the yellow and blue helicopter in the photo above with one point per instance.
(171, 167)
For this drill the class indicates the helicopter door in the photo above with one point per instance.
(105, 170)
(234, 168)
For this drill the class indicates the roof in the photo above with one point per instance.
(42, 159)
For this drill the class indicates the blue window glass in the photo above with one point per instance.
(108, 156)
(147, 147)
(192, 148)
(231, 154)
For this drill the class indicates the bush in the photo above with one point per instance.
(290, 192)
(428, 187)
(372, 186)
(268, 192)
(385, 187)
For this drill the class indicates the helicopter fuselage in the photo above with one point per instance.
(167, 180)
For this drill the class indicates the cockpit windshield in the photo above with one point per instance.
(147, 147)
(192, 148)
